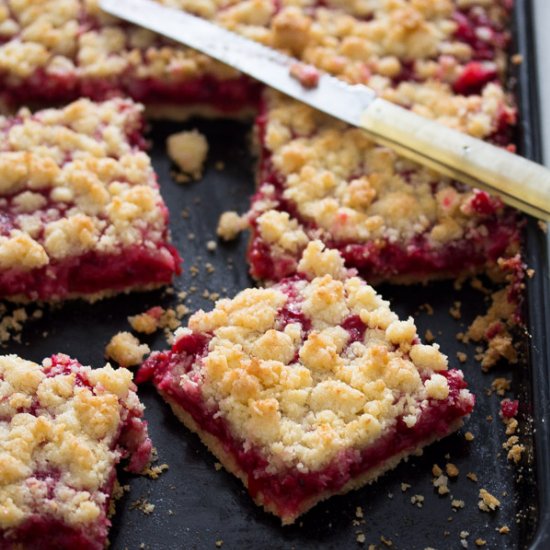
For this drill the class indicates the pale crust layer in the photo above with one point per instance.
(230, 464)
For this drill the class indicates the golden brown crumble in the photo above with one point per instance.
(126, 349)
(336, 396)
(77, 183)
(230, 225)
(74, 434)
(188, 150)
(487, 502)
(451, 469)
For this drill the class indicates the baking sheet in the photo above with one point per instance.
(197, 506)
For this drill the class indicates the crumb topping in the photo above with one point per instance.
(230, 225)
(59, 434)
(345, 188)
(290, 375)
(73, 183)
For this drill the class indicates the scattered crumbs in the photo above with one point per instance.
(469, 436)
(217, 466)
(428, 336)
(211, 246)
(219, 165)
(530, 273)
(209, 268)
(12, 325)
(440, 483)
(472, 477)
(219, 543)
(501, 385)
(461, 337)
(185, 213)
(487, 502)
(451, 469)
(143, 505)
(417, 500)
(463, 536)
(191, 236)
(359, 512)
(517, 59)
(511, 425)
(126, 349)
(427, 308)
(461, 356)
(360, 538)
(515, 450)
(405, 487)
(372, 547)
(455, 310)
(155, 471)
(188, 150)
(480, 542)
(456, 503)
(147, 322)
(385, 541)
(504, 530)
(194, 270)
(230, 225)
(390, 495)
(436, 470)
(489, 418)
(170, 512)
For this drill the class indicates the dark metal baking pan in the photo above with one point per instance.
(196, 505)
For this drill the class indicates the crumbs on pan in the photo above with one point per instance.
(230, 225)
(188, 150)
(126, 349)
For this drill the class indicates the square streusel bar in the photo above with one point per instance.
(80, 210)
(63, 429)
(309, 388)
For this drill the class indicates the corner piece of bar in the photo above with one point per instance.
(63, 429)
(309, 388)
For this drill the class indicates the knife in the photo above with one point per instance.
(518, 181)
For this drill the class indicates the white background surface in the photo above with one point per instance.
(542, 19)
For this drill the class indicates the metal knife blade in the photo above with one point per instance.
(519, 182)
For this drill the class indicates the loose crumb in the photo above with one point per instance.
(188, 150)
(405, 487)
(461, 356)
(126, 349)
(469, 436)
(472, 477)
(211, 246)
(480, 542)
(219, 543)
(428, 336)
(504, 530)
(501, 385)
(154, 472)
(359, 512)
(456, 503)
(143, 505)
(455, 310)
(452, 470)
(417, 500)
(360, 538)
(230, 225)
(487, 502)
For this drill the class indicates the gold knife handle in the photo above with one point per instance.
(518, 181)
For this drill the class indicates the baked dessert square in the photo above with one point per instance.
(80, 208)
(64, 427)
(309, 388)
(390, 218)
(430, 56)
